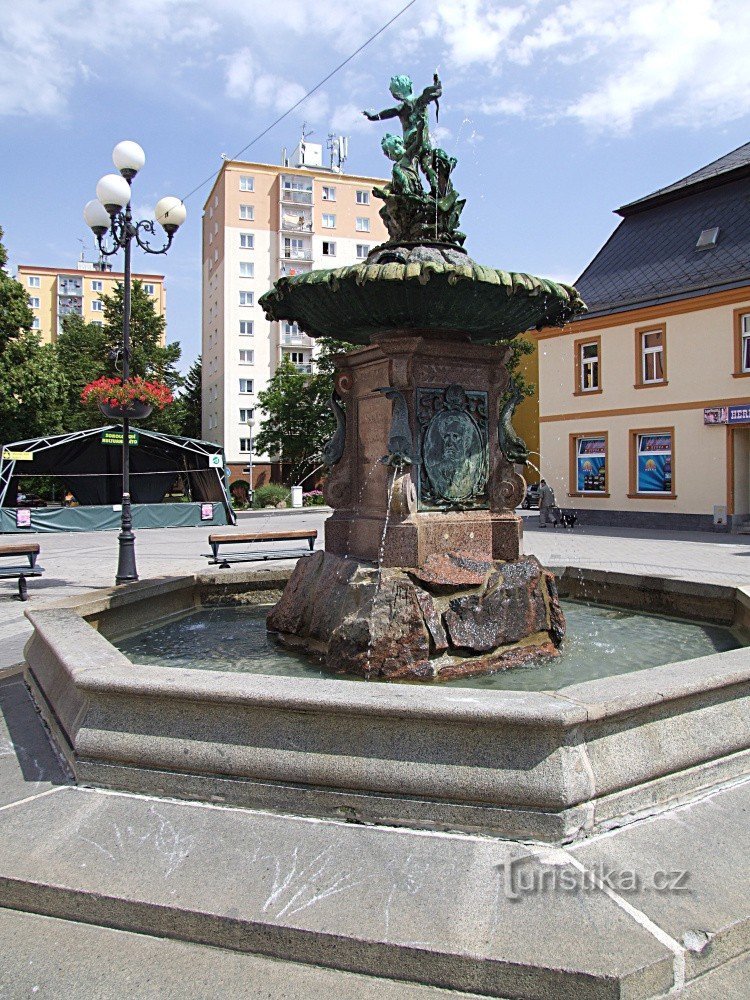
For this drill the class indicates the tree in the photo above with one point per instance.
(520, 348)
(82, 353)
(32, 388)
(150, 357)
(189, 402)
(15, 309)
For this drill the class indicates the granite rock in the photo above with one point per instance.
(448, 571)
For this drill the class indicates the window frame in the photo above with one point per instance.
(247, 409)
(365, 223)
(244, 209)
(250, 264)
(97, 306)
(329, 253)
(573, 440)
(324, 224)
(247, 236)
(365, 199)
(247, 361)
(243, 184)
(737, 317)
(97, 285)
(634, 436)
(251, 390)
(578, 366)
(35, 281)
(245, 294)
(365, 246)
(328, 193)
(640, 356)
(35, 301)
(251, 324)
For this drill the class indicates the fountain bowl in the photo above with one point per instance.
(551, 766)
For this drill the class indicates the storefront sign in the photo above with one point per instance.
(591, 462)
(18, 456)
(115, 438)
(727, 414)
(654, 463)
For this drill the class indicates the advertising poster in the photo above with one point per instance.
(655, 464)
(591, 462)
(23, 518)
(207, 512)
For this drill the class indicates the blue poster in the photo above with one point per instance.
(591, 473)
(654, 473)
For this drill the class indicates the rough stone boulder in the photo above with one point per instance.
(452, 617)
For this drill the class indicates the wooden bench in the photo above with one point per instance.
(10, 550)
(262, 536)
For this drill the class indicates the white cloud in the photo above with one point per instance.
(507, 105)
(475, 31)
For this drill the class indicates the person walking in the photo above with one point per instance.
(546, 502)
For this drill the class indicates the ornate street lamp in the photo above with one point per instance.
(109, 215)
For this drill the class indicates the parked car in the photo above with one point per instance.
(532, 496)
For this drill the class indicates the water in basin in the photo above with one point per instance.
(601, 642)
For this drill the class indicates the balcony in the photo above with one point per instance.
(303, 369)
(298, 339)
(287, 226)
(289, 253)
(291, 197)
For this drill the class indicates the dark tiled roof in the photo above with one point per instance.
(737, 162)
(651, 256)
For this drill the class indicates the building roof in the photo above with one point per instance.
(652, 256)
(75, 272)
(736, 163)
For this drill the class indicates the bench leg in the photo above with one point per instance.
(23, 592)
(215, 550)
(224, 564)
(311, 543)
(32, 559)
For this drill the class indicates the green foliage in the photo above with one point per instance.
(520, 348)
(188, 403)
(82, 350)
(16, 316)
(33, 390)
(271, 494)
(296, 420)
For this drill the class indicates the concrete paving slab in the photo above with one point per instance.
(439, 909)
(43, 958)
(28, 764)
(707, 911)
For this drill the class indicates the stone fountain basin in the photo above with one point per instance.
(528, 765)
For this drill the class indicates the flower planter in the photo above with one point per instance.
(130, 411)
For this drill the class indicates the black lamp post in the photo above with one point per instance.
(110, 214)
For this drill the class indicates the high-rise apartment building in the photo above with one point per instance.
(261, 222)
(57, 292)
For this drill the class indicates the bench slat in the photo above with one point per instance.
(266, 536)
(19, 548)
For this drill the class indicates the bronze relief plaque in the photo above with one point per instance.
(453, 449)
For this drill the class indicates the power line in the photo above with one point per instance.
(308, 94)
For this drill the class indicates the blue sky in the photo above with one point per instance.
(558, 113)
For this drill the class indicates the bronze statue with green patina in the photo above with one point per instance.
(410, 213)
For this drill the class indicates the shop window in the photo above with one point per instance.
(590, 469)
(652, 463)
(651, 356)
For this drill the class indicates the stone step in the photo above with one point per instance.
(47, 958)
(421, 907)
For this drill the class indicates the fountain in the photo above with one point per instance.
(422, 575)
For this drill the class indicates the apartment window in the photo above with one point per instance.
(652, 462)
(290, 329)
(247, 357)
(34, 281)
(329, 193)
(35, 323)
(651, 357)
(246, 328)
(363, 197)
(363, 250)
(246, 444)
(329, 248)
(741, 342)
(97, 305)
(149, 289)
(329, 221)
(362, 224)
(247, 298)
(34, 300)
(589, 464)
(97, 286)
(587, 365)
(247, 212)
(247, 241)
(247, 269)
(246, 414)
(247, 183)
(96, 322)
(246, 385)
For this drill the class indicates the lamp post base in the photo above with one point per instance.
(126, 569)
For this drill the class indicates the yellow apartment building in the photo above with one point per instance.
(260, 222)
(644, 403)
(57, 292)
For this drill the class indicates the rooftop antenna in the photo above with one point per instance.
(83, 248)
(338, 148)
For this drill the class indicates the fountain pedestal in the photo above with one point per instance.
(422, 452)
